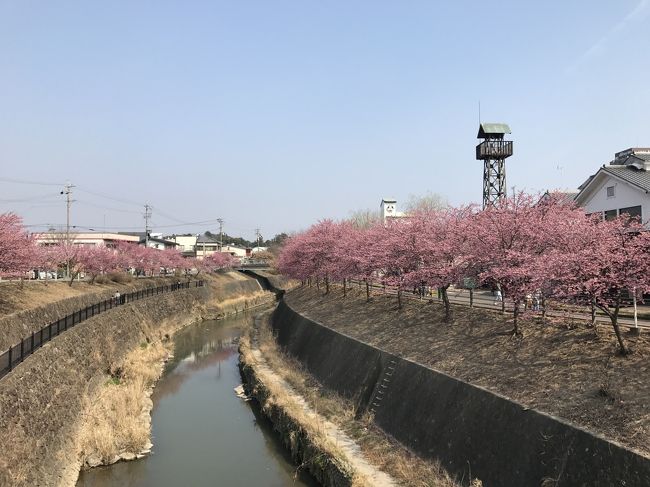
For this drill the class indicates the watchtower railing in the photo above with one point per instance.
(494, 149)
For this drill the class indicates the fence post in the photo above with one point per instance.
(10, 358)
(22, 350)
(32, 351)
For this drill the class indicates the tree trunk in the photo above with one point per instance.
(593, 312)
(445, 299)
(614, 317)
(515, 321)
(399, 298)
(503, 303)
(318, 283)
(543, 308)
(471, 298)
(327, 285)
(345, 289)
(367, 291)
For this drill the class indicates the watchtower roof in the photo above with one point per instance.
(489, 130)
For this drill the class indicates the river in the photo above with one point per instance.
(203, 434)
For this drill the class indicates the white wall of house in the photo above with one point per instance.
(84, 239)
(186, 242)
(625, 195)
(236, 251)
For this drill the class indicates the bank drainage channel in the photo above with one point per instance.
(347, 445)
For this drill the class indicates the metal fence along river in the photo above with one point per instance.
(17, 353)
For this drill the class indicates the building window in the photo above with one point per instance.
(611, 215)
(611, 191)
(631, 211)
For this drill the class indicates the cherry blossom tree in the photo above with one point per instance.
(503, 245)
(16, 247)
(525, 246)
(221, 260)
(601, 264)
(97, 260)
(294, 260)
(444, 255)
(398, 254)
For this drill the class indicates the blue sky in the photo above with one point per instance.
(274, 114)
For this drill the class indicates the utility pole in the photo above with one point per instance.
(257, 236)
(220, 220)
(147, 217)
(67, 191)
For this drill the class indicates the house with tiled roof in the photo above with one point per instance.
(622, 186)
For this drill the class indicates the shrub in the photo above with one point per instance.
(103, 279)
(120, 277)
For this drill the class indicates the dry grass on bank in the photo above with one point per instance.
(117, 420)
(382, 451)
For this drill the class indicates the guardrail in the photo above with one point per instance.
(15, 354)
(481, 299)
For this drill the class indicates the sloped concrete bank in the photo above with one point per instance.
(42, 401)
(472, 431)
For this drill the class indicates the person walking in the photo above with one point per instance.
(498, 297)
(536, 302)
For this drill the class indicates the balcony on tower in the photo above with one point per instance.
(493, 147)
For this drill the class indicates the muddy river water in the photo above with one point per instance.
(203, 434)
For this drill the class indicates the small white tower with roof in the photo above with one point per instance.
(388, 208)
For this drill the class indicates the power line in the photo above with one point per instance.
(165, 215)
(23, 181)
(107, 207)
(29, 199)
(140, 228)
(109, 197)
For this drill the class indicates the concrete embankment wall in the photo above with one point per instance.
(43, 399)
(473, 432)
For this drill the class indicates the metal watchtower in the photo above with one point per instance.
(493, 151)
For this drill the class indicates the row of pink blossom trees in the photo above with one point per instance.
(19, 255)
(524, 246)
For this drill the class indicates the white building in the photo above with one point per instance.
(155, 240)
(621, 187)
(236, 251)
(388, 209)
(206, 246)
(186, 243)
(86, 239)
